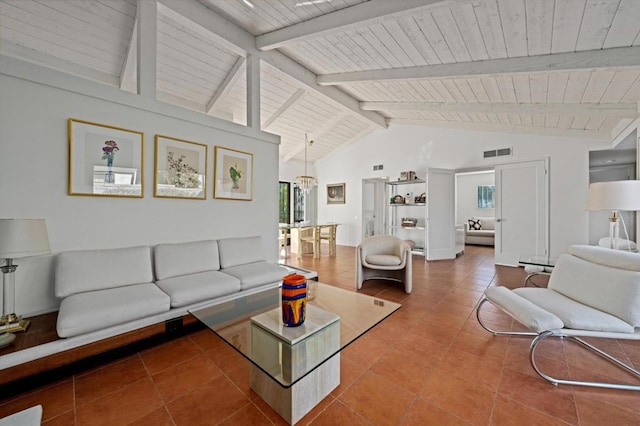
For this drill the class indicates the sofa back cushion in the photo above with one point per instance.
(240, 251)
(487, 223)
(90, 270)
(606, 287)
(172, 260)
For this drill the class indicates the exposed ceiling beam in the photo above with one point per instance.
(626, 110)
(343, 20)
(228, 35)
(306, 77)
(31, 55)
(237, 40)
(147, 48)
(128, 72)
(505, 128)
(228, 83)
(592, 60)
(293, 99)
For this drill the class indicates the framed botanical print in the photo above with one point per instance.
(105, 160)
(233, 174)
(180, 169)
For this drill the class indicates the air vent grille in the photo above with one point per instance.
(497, 152)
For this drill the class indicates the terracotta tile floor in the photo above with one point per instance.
(429, 363)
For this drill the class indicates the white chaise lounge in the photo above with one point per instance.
(592, 292)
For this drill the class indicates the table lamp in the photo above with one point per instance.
(623, 195)
(18, 238)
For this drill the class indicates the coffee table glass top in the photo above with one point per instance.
(252, 325)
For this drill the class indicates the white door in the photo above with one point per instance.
(440, 214)
(522, 211)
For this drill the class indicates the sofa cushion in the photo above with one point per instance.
(475, 224)
(256, 274)
(488, 223)
(95, 310)
(481, 233)
(89, 270)
(612, 290)
(238, 251)
(172, 260)
(186, 289)
(573, 314)
(623, 244)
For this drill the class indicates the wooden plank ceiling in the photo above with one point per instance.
(339, 69)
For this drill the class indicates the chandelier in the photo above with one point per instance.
(306, 182)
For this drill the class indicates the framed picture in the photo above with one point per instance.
(486, 196)
(233, 174)
(105, 160)
(336, 193)
(180, 169)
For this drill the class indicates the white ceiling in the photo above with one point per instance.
(339, 69)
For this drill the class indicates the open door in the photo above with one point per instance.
(373, 206)
(522, 211)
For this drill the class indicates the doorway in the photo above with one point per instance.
(373, 206)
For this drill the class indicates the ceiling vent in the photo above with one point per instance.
(497, 152)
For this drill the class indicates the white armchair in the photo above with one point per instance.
(592, 292)
(384, 257)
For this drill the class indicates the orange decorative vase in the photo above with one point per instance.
(294, 300)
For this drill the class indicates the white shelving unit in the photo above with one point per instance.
(408, 190)
(434, 230)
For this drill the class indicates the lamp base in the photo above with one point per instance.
(14, 326)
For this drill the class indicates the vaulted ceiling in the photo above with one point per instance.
(340, 69)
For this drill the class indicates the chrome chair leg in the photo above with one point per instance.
(555, 381)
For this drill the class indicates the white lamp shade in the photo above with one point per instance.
(23, 238)
(618, 195)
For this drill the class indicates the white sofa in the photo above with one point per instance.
(484, 236)
(108, 288)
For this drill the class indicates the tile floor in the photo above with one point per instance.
(429, 363)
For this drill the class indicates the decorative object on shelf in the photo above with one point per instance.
(623, 195)
(411, 244)
(294, 300)
(306, 182)
(336, 193)
(475, 224)
(421, 199)
(397, 199)
(92, 143)
(409, 222)
(181, 169)
(408, 175)
(233, 174)
(18, 238)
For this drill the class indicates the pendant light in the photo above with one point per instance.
(306, 182)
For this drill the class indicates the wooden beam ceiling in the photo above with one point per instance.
(628, 110)
(592, 60)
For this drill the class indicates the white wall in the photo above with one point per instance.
(467, 195)
(33, 175)
(416, 148)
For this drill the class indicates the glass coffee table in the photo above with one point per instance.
(536, 265)
(294, 368)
